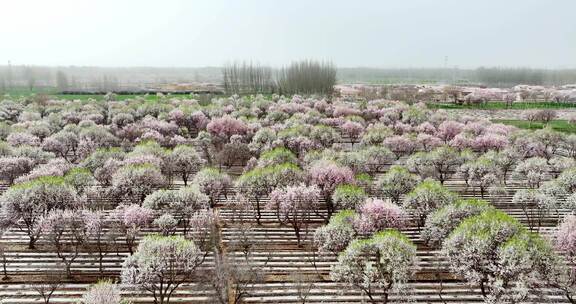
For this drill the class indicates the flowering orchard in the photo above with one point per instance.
(316, 198)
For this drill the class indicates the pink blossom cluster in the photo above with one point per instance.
(376, 215)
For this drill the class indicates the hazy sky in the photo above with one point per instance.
(385, 33)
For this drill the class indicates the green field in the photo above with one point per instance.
(53, 93)
(558, 125)
(500, 105)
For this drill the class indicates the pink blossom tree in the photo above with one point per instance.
(134, 182)
(504, 161)
(535, 205)
(224, 127)
(130, 219)
(509, 99)
(344, 110)
(489, 141)
(427, 142)
(63, 143)
(447, 130)
(96, 230)
(260, 182)
(213, 183)
(400, 145)
(122, 119)
(550, 139)
(352, 129)
(426, 128)
(54, 167)
(204, 230)
(233, 153)
(199, 120)
(376, 215)
(327, 176)
(528, 145)
(295, 205)
(66, 231)
(462, 141)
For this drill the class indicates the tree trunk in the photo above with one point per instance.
(569, 297)
(259, 214)
(32, 242)
(483, 288)
(4, 270)
(297, 232)
(329, 207)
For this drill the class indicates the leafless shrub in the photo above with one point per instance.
(303, 284)
(50, 284)
(232, 279)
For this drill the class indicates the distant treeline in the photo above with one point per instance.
(492, 77)
(303, 77)
(36, 78)
(300, 77)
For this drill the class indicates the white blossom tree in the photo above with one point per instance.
(492, 250)
(397, 182)
(30, 201)
(382, 263)
(161, 264)
(427, 197)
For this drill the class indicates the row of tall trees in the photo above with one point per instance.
(246, 77)
(302, 77)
